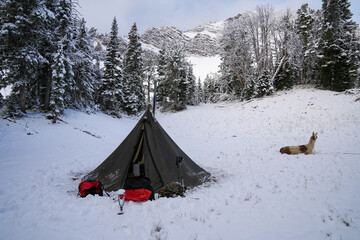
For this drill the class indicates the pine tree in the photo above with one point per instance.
(211, 89)
(176, 78)
(191, 86)
(352, 41)
(19, 44)
(50, 39)
(249, 90)
(133, 84)
(336, 64)
(84, 72)
(38, 41)
(66, 40)
(286, 76)
(307, 31)
(59, 77)
(263, 85)
(110, 91)
(199, 93)
(58, 40)
(162, 83)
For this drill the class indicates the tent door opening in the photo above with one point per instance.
(137, 166)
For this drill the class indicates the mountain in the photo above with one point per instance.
(200, 41)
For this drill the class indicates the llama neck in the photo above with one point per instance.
(311, 143)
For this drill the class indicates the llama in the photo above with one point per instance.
(306, 149)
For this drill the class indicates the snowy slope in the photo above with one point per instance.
(203, 66)
(257, 192)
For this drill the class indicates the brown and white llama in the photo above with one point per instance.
(306, 149)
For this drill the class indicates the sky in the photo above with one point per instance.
(183, 14)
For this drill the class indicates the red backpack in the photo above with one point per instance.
(90, 187)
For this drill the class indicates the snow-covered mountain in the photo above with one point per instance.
(200, 41)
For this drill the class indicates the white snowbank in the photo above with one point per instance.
(258, 193)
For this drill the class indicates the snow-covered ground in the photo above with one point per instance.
(256, 193)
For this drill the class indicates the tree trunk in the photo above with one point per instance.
(277, 70)
(47, 92)
(22, 98)
(148, 90)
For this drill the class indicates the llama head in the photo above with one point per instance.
(314, 136)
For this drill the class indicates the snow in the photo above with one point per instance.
(202, 66)
(211, 29)
(191, 34)
(6, 91)
(258, 193)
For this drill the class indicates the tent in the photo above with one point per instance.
(148, 151)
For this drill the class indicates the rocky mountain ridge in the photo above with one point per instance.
(200, 41)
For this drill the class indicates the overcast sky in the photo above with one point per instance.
(183, 14)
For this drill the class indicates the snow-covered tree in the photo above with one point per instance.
(191, 98)
(249, 43)
(266, 21)
(176, 77)
(337, 58)
(149, 72)
(134, 99)
(59, 76)
(211, 88)
(33, 36)
(199, 93)
(236, 56)
(110, 92)
(264, 86)
(307, 22)
(84, 71)
(249, 90)
(65, 38)
(162, 83)
(20, 35)
(289, 48)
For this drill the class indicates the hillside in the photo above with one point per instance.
(256, 192)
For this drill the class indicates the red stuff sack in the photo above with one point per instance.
(90, 187)
(137, 195)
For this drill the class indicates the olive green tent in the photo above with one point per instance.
(148, 151)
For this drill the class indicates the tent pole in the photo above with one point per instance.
(179, 160)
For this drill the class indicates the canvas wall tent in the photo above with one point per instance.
(148, 151)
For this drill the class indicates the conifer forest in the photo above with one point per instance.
(51, 61)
